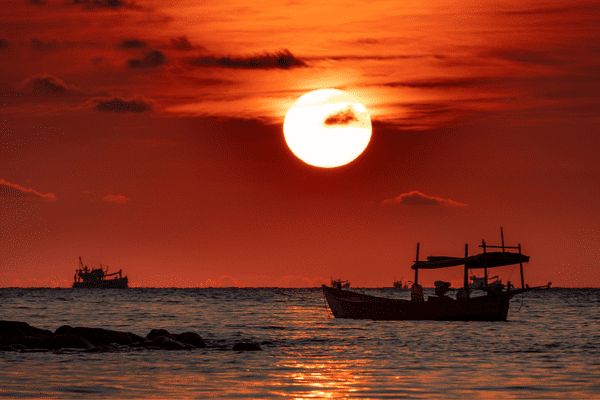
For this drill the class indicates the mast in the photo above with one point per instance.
(416, 283)
(485, 271)
(466, 276)
(521, 268)
(502, 238)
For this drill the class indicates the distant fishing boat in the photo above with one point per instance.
(98, 278)
(340, 284)
(493, 306)
(399, 285)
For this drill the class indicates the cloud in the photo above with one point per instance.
(443, 83)
(121, 105)
(181, 43)
(47, 85)
(525, 56)
(151, 59)
(3, 43)
(282, 59)
(116, 199)
(114, 4)
(39, 44)
(132, 44)
(344, 117)
(14, 190)
(417, 198)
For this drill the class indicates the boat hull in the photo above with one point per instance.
(119, 283)
(347, 304)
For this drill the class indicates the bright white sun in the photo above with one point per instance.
(327, 128)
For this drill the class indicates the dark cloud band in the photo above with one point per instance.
(282, 59)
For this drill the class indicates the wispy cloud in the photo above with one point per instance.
(418, 198)
(132, 44)
(181, 43)
(14, 190)
(40, 44)
(282, 59)
(116, 199)
(47, 85)
(151, 59)
(110, 4)
(122, 105)
(344, 117)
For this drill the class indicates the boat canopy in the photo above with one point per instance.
(482, 260)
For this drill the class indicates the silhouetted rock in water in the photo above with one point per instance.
(190, 338)
(11, 329)
(154, 333)
(246, 346)
(107, 348)
(167, 343)
(100, 336)
(30, 342)
(66, 341)
(20, 336)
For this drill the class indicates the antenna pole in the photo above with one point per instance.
(417, 265)
(485, 271)
(466, 277)
(521, 268)
(502, 237)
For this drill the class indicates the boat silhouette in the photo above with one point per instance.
(493, 306)
(98, 278)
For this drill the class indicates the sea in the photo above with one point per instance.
(549, 347)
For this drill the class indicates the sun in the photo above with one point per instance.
(327, 128)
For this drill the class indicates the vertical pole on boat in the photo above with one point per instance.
(485, 272)
(521, 268)
(466, 277)
(417, 265)
(502, 238)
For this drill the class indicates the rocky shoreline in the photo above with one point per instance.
(22, 337)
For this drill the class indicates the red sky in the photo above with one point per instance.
(148, 136)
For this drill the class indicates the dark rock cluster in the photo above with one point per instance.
(20, 336)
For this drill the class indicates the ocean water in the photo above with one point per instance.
(549, 347)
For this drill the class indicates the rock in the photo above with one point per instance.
(12, 329)
(30, 342)
(190, 338)
(246, 346)
(158, 332)
(107, 348)
(100, 336)
(66, 341)
(20, 336)
(167, 343)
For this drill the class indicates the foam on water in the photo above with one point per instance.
(549, 348)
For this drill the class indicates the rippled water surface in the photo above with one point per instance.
(549, 348)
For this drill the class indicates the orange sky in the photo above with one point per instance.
(147, 136)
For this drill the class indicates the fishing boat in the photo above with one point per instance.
(98, 278)
(399, 285)
(492, 306)
(340, 284)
